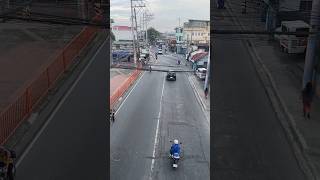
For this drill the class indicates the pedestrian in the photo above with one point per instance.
(307, 99)
(206, 92)
(112, 114)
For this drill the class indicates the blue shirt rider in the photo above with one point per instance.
(175, 148)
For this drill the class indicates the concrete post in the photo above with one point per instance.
(313, 41)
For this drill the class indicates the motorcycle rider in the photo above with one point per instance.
(175, 148)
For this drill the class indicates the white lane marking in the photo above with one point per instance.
(58, 107)
(123, 102)
(157, 131)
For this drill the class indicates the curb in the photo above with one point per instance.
(286, 120)
(124, 95)
(199, 99)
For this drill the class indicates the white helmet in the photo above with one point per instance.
(176, 141)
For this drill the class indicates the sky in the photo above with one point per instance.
(166, 13)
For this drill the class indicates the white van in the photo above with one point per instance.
(294, 43)
(201, 73)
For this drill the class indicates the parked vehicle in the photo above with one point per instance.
(201, 73)
(294, 43)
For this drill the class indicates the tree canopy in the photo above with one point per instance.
(153, 34)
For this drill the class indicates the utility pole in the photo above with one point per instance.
(309, 73)
(133, 37)
(135, 4)
(148, 18)
(137, 42)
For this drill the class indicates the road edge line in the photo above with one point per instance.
(127, 94)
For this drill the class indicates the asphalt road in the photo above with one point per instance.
(135, 154)
(248, 140)
(73, 145)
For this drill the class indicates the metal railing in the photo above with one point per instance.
(19, 110)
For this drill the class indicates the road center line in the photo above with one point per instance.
(157, 131)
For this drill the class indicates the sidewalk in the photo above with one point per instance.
(197, 86)
(286, 71)
(118, 77)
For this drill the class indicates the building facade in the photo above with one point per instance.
(123, 38)
(196, 31)
(122, 33)
(179, 35)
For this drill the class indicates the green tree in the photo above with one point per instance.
(153, 34)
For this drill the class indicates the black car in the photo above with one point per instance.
(171, 76)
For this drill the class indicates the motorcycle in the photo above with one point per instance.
(8, 172)
(175, 157)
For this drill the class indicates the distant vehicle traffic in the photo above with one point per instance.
(159, 51)
(171, 76)
(201, 73)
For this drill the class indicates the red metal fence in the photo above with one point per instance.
(122, 89)
(12, 116)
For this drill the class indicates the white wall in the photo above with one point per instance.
(122, 35)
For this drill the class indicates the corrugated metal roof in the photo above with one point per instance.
(199, 56)
(121, 28)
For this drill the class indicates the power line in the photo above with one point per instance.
(260, 32)
(53, 21)
(147, 69)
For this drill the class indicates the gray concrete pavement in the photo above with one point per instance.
(248, 140)
(133, 149)
(286, 72)
(73, 144)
